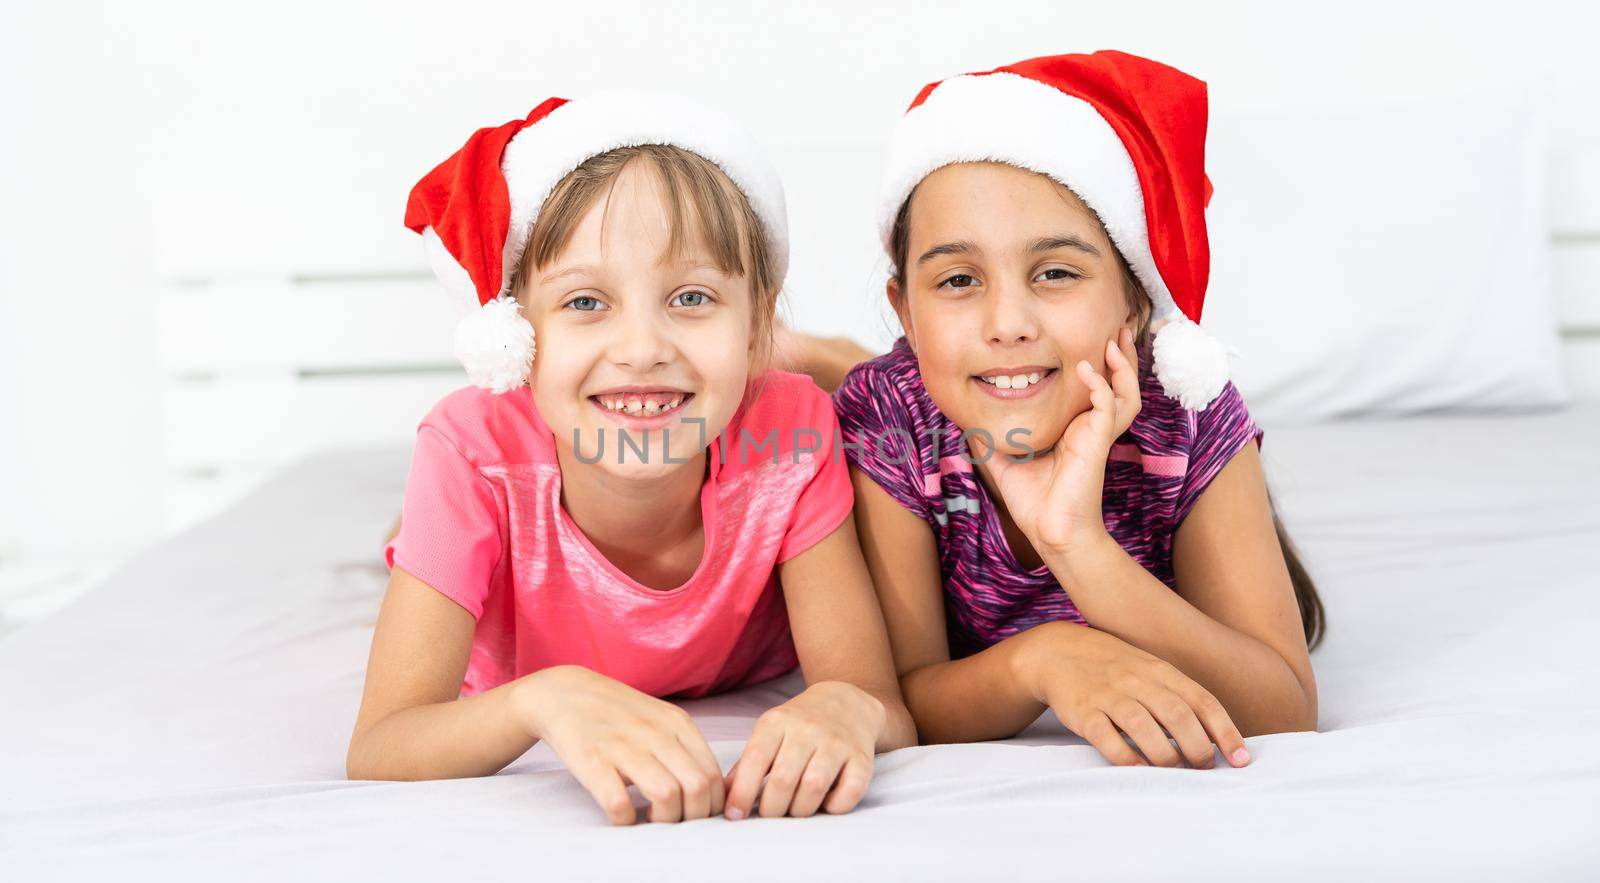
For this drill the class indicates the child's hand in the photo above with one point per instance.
(609, 734)
(815, 750)
(1055, 497)
(1102, 687)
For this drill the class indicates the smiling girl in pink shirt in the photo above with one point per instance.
(636, 508)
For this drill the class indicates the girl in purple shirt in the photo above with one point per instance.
(1056, 486)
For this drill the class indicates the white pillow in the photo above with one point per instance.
(1382, 261)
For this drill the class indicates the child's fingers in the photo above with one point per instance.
(1133, 718)
(695, 743)
(1179, 720)
(1100, 392)
(1129, 352)
(656, 783)
(603, 783)
(1218, 724)
(744, 780)
(851, 786)
(1116, 359)
(1099, 732)
(822, 771)
(694, 783)
(1124, 380)
(1102, 400)
(784, 779)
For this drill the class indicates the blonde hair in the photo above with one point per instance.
(722, 219)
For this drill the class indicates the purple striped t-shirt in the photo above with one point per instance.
(1154, 474)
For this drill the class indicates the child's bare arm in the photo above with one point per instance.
(816, 750)
(826, 359)
(1099, 686)
(971, 700)
(1233, 624)
(411, 725)
(838, 628)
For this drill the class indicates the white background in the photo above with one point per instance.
(157, 146)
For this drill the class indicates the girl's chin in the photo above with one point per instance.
(1017, 438)
(632, 469)
(638, 453)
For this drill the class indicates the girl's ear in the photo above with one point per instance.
(1138, 319)
(897, 302)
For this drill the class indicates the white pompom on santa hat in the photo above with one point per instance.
(1124, 133)
(476, 209)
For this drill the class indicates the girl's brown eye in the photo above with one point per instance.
(1056, 274)
(959, 280)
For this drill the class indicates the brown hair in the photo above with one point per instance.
(722, 219)
(1313, 619)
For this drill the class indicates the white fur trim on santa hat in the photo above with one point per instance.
(449, 272)
(495, 344)
(539, 156)
(1007, 118)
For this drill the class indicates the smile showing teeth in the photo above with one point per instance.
(645, 404)
(1013, 381)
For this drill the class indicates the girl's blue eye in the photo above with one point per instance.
(584, 303)
(690, 299)
(959, 280)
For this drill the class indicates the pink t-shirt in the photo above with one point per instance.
(483, 525)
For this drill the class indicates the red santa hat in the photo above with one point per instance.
(1124, 133)
(476, 209)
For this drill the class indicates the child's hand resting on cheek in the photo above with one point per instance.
(1054, 498)
(609, 734)
(814, 751)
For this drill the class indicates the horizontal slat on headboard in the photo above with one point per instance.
(1574, 218)
(1580, 356)
(1574, 190)
(401, 321)
(257, 420)
(263, 370)
(1576, 278)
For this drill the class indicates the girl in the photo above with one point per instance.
(1038, 218)
(592, 528)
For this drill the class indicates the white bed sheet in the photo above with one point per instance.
(188, 719)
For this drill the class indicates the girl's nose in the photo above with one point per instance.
(1008, 316)
(640, 342)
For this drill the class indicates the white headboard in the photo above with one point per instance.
(263, 366)
(262, 371)
(1575, 242)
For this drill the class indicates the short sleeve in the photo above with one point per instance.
(881, 436)
(449, 525)
(827, 498)
(1221, 430)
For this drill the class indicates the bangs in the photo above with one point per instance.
(705, 211)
